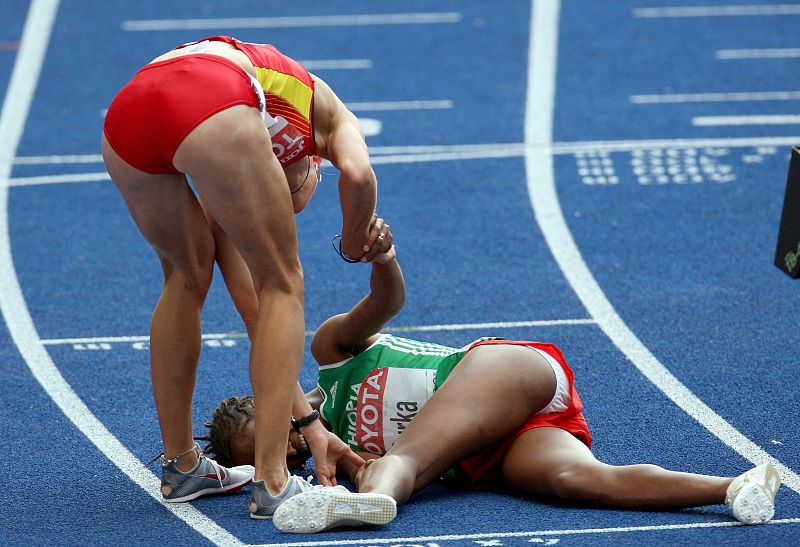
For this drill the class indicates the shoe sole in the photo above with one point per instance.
(755, 503)
(317, 511)
(230, 489)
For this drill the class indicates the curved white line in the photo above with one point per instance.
(33, 47)
(547, 209)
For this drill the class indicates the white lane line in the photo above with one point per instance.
(769, 53)
(58, 160)
(717, 11)
(337, 64)
(130, 339)
(629, 146)
(716, 97)
(59, 179)
(539, 110)
(454, 155)
(294, 22)
(400, 105)
(501, 325)
(410, 328)
(420, 154)
(417, 540)
(417, 154)
(515, 148)
(718, 121)
(14, 113)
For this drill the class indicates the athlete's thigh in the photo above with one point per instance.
(166, 212)
(486, 397)
(536, 457)
(230, 161)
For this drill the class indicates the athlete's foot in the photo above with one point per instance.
(326, 508)
(751, 495)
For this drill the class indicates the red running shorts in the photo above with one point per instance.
(165, 101)
(481, 470)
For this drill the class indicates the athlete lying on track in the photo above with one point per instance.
(498, 414)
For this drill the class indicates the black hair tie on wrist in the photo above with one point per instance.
(302, 422)
(346, 257)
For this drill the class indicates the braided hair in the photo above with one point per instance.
(233, 414)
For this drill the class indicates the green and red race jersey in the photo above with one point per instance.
(370, 398)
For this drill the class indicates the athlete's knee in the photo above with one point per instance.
(272, 275)
(581, 482)
(194, 277)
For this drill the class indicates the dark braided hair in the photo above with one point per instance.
(230, 416)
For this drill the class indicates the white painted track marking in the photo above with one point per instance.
(717, 11)
(421, 541)
(411, 328)
(294, 22)
(423, 153)
(400, 105)
(386, 155)
(768, 53)
(740, 96)
(337, 64)
(719, 121)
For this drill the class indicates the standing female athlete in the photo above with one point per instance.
(496, 414)
(248, 125)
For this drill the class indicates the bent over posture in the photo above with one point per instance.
(248, 125)
(496, 414)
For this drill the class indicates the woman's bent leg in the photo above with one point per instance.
(488, 395)
(551, 463)
(236, 275)
(169, 216)
(231, 164)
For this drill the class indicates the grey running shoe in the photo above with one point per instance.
(263, 504)
(326, 508)
(208, 477)
(751, 495)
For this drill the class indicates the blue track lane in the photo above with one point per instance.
(679, 233)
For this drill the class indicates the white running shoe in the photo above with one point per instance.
(325, 508)
(751, 495)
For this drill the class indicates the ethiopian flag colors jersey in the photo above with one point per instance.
(370, 398)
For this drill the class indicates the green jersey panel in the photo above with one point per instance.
(370, 398)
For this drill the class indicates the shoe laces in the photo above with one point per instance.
(305, 485)
(216, 467)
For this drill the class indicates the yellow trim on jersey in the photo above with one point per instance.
(289, 88)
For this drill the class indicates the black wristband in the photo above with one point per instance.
(346, 257)
(302, 422)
